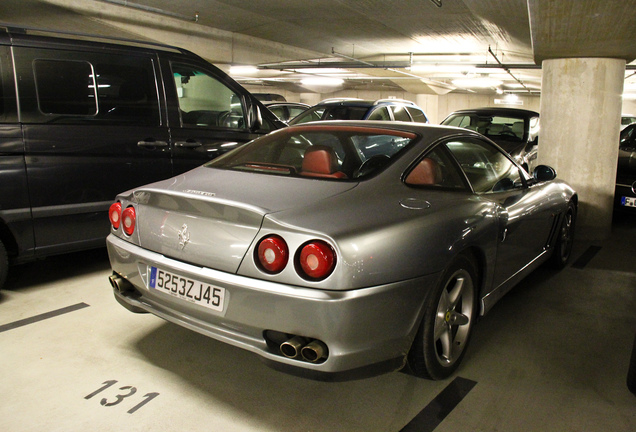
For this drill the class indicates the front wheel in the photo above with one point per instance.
(449, 314)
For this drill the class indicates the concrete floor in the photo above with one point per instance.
(551, 356)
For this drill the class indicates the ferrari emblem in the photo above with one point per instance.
(184, 236)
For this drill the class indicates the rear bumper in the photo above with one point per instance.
(623, 189)
(367, 331)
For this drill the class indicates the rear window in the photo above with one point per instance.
(340, 153)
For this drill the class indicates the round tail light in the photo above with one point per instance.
(129, 218)
(272, 254)
(114, 214)
(317, 260)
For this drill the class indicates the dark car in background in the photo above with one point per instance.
(285, 111)
(359, 109)
(625, 193)
(515, 130)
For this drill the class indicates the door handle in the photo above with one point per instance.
(188, 144)
(152, 143)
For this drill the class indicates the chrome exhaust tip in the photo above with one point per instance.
(314, 351)
(291, 348)
(120, 284)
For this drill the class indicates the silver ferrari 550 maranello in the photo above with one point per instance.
(339, 250)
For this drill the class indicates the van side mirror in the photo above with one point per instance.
(544, 173)
(255, 119)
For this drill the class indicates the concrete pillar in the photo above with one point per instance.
(580, 126)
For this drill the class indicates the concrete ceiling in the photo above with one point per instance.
(421, 46)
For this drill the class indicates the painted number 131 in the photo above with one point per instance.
(125, 392)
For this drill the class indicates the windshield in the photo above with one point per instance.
(337, 112)
(494, 127)
(329, 152)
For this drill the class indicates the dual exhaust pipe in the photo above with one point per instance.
(300, 347)
(120, 284)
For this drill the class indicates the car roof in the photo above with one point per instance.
(272, 103)
(364, 102)
(497, 111)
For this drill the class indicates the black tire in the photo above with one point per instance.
(565, 237)
(631, 372)
(4, 265)
(446, 327)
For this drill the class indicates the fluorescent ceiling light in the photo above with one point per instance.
(477, 82)
(322, 81)
(432, 68)
(243, 70)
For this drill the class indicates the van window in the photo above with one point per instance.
(83, 87)
(65, 87)
(206, 102)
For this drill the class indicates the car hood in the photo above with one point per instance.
(210, 217)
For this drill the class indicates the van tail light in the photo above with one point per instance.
(317, 260)
(114, 214)
(272, 254)
(129, 219)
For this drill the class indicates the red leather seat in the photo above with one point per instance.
(427, 172)
(321, 161)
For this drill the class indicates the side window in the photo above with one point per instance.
(461, 121)
(127, 91)
(487, 168)
(65, 87)
(206, 102)
(381, 113)
(418, 116)
(436, 169)
(400, 114)
(97, 88)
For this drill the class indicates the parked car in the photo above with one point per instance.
(335, 250)
(627, 119)
(358, 109)
(515, 130)
(625, 193)
(285, 111)
(89, 117)
(265, 97)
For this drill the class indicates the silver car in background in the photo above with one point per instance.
(338, 250)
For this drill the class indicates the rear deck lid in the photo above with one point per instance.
(209, 217)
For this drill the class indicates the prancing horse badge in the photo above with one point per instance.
(184, 236)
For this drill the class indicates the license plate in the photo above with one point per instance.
(628, 201)
(191, 290)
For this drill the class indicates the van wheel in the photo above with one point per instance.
(4, 264)
(449, 314)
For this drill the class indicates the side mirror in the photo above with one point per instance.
(544, 173)
(255, 119)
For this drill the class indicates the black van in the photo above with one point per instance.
(84, 118)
